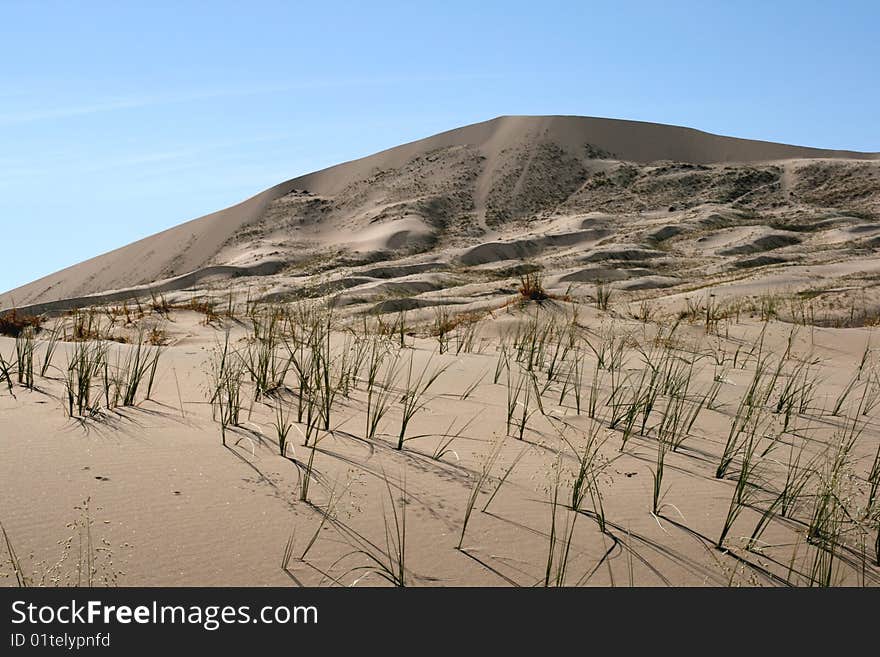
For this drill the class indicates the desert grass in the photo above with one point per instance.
(388, 564)
(745, 416)
(136, 371)
(652, 385)
(380, 395)
(226, 372)
(603, 295)
(263, 360)
(24, 352)
(51, 344)
(663, 447)
(531, 287)
(6, 370)
(414, 398)
(84, 367)
(443, 325)
(12, 323)
(282, 424)
(744, 489)
(486, 467)
(21, 579)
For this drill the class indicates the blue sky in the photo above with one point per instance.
(119, 120)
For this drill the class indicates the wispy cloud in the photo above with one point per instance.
(122, 103)
(115, 104)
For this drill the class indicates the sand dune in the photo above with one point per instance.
(444, 188)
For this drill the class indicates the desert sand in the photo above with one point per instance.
(617, 353)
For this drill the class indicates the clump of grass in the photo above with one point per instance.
(12, 323)
(831, 507)
(603, 295)
(594, 394)
(561, 533)
(514, 390)
(157, 336)
(530, 387)
(413, 398)
(659, 466)
(267, 369)
(207, 307)
(227, 371)
(396, 328)
(444, 446)
(796, 479)
(844, 394)
(828, 497)
(465, 333)
(85, 364)
(138, 368)
(531, 287)
(559, 550)
(51, 343)
(282, 425)
(86, 326)
(743, 490)
(159, 304)
(745, 413)
(502, 363)
(443, 325)
(590, 468)
(645, 312)
(395, 541)
(767, 306)
(24, 351)
(308, 469)
(380, 396)
(6, 373)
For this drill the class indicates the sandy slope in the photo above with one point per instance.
(462, 186)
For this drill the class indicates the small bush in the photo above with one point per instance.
(531, 288)
(12, 324)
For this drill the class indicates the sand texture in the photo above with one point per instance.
(530, 351)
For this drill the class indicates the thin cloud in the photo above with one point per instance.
(115, 104)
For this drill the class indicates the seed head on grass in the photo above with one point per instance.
(388, 564)
(485, 470)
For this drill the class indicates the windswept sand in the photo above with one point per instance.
(776, 245)
(174, 507)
